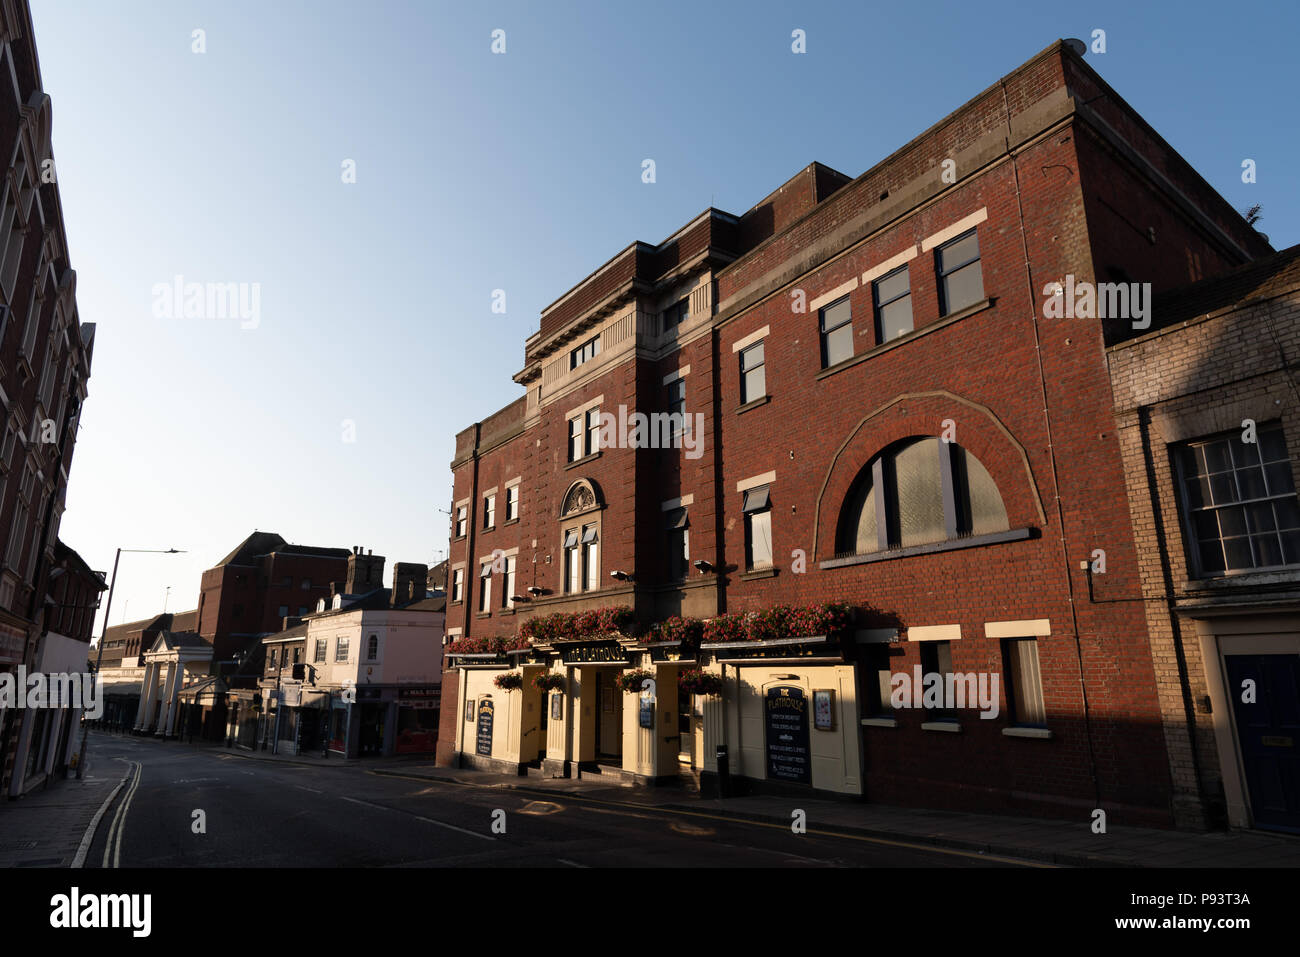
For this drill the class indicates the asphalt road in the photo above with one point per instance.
(271, 814)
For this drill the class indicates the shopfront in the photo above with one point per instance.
(785, 712)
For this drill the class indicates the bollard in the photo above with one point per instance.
(724, 772)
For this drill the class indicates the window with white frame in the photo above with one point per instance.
(462, 518)
(485, 587)
(1239, 503)
(679, 544)
(508, 584)
(341, 648)
(757, 509)
(512, 502)
(457, 584)
(585, 352)
(490, 510)
(590, 543)
(753, 375)
(372, 648)
(319, 656)
(572, 562)
(1025, 694)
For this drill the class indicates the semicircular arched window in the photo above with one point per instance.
(917, 492)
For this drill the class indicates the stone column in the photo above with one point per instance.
(165, 711)
(146, 693)
(175, 697)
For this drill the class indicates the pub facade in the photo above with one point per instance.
(862, 393)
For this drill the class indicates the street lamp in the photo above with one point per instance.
(99, 658)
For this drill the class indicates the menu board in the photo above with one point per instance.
(785, 711)
(485, 728)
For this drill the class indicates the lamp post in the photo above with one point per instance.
(99, 657)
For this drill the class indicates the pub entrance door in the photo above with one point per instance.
(609, 718)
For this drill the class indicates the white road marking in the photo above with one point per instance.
(89, 836)
(301, 787)
(426, 820)
(570, 863)
(114, 844)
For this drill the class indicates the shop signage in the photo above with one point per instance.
(602, 651)
(785, 711)
(484, 728)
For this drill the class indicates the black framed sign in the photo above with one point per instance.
(469, 709)
(785, 713)
(484, 737)
(557, 707)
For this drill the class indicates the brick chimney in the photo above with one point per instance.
(409, 582)
(365, 572)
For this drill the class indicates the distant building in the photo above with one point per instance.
(122, 663)
(364, 668)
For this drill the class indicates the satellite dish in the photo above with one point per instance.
(1078, 46)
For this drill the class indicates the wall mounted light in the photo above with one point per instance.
(620, 575)
(703, 566)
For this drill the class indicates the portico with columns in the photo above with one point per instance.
(174, 660)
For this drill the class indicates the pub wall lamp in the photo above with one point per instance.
(520, 598)
(534, 590)
(620, 575)
(703, 566)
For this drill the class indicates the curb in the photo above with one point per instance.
(89, 837)
(1040, 855)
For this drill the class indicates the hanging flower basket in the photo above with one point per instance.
(548, 681)
(510, 681)
(697, 681)
(633, 680)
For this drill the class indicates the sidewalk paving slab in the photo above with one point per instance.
(45, 828)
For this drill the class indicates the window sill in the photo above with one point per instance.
(1040, 733)
(753, 404)
(455, 603)
(584, 460)
(975, 541)
(510, 521)
(951, 727)
(459, 538)
(483, 614)
(880, 722)
(912, 336)
(505, 611)
(758, 573)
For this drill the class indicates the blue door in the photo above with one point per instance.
(1268, 731)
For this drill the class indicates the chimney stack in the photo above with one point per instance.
(365, 573)
(409, 582)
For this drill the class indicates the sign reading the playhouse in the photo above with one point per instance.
(484, 746)
(606, 651)
(788, 758)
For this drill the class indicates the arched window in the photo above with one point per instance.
(916, 492)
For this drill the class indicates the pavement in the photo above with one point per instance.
(48, 828)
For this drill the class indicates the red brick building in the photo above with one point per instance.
(881, 413)
(45, 355)
(249, 593)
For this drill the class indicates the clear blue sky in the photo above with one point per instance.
(476, 172)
